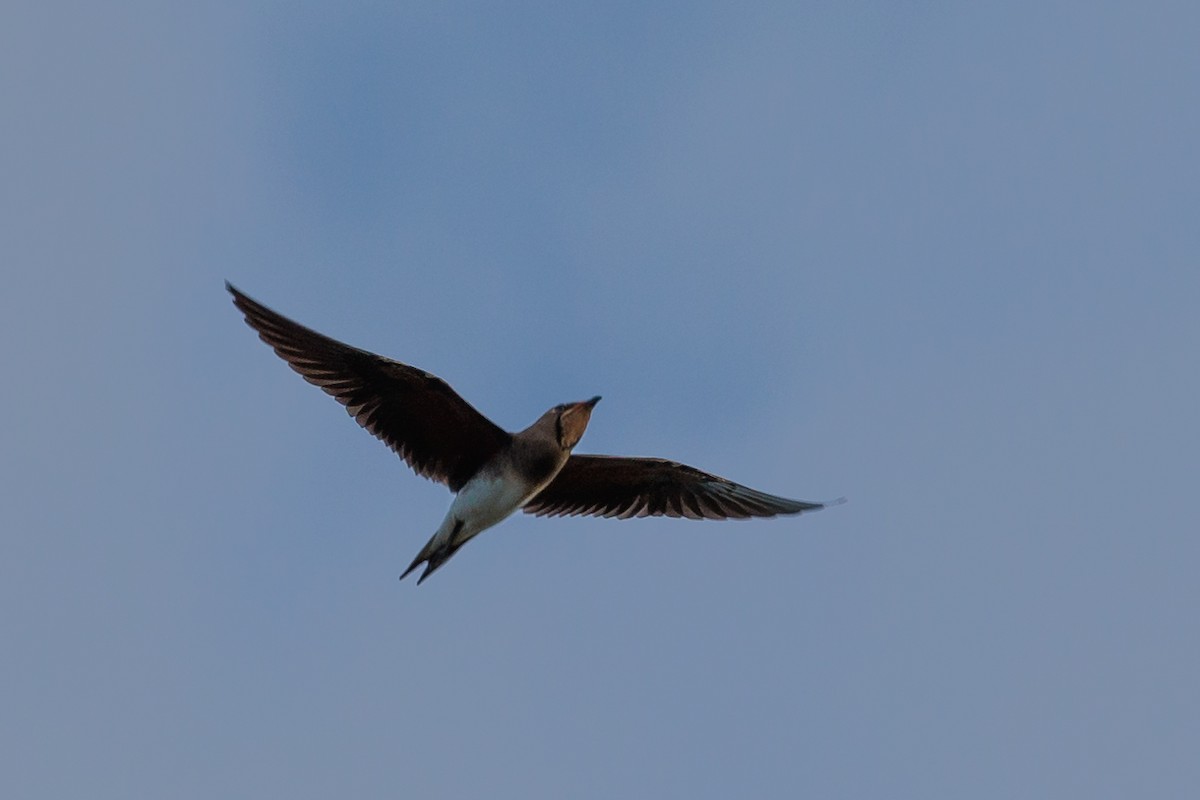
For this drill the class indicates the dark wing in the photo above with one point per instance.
(615, 486)
(413, 412)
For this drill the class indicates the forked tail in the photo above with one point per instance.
(437, 551)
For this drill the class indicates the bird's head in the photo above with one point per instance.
(571, 420)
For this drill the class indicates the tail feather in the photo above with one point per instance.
(431, 560)
(435, 553)
(416, 563)
(436, 560)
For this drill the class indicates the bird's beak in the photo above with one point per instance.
(583, 405)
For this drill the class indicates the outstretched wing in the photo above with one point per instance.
(414, 413)
(617, 486)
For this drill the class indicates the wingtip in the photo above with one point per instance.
(239, 297)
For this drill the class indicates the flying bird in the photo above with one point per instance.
(491, 471)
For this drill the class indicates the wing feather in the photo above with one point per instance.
(619, 486)
(415, 413)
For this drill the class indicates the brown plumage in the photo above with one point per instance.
(413, 412)
(493, 472)
(623, 487)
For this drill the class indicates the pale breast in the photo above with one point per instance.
(488, 498)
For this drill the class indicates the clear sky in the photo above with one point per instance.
(941, 258)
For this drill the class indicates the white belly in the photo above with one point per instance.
(488, 499)
(484, 501)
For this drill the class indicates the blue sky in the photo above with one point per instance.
(938, 258)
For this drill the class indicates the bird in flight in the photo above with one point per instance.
(492, 472)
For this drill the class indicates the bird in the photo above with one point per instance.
(493, 472)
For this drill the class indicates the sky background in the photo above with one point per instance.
(940, 258)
